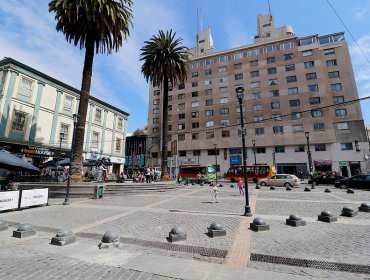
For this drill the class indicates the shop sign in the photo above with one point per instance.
(343, 164)
(34, 197)
(235, 160)
(9, 200)
(36, 152)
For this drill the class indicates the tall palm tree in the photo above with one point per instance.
(96, 25)
(164, 63)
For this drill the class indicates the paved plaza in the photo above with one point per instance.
(319, 250)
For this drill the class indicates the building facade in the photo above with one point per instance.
(292, 85)
(36, 108)
(136, 159)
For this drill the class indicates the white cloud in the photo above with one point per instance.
(360, 13)
(236, 34)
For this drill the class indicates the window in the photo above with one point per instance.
(95, 140)
(222, 58)
(257, 107)
(346, 146)
(156, 129)
(307, 53)
(181, 137)
(208, 91)
(258, 118)
(225, 122)
(25, 88)
(297, 128)
(253, 63)
(195, 136)
(210, 135)
(259, 130)
(313, 88)
(209, 102)
(207, 82)
(331, 63)
(329, 51)
(120, 124)
(276, 117)
(340, 112)
(194, 84)
(181, 126)
(194, 74)
(320, 147)
(209, 113)
(310, 76)
(261, 150)
(299, 149)
(208, 72)
(269, 49)
(256, 95)
(314, 100)
(169, 128)
(156, 93)
(224, 111)
(196, 153)
(309, 64)
(181, 106)
(294, 103)
(97, 115)
(290, 67)
(271, 71)
(278, 129)
(225, 134)
(222, 69)
(254, 73)
(194, 94)
(270, 60)
(195, 125)
(279, 149)
(68, 103)
(288, 56)
(194, 104)
(155, 101)
(287, 45)
(254, 52)
(224, 89)
(182, 85)
(223, 79)
(239, 76)
(155, 120)
(194, 115)
(156, 111)
(342, 126)
(208, 61)
(237, 66)
(272, 82)
(318, 126)
(333, 75)
(296, 116)
(238, 55)
(274, 93)
(316, 113)
(224, 100)
(170, 98)
(293, 90)
(181, 116)
(118, 144)
(336, 87)
(275, 105)
(338, 99)
(255, 85)
(182, 153)
(291, 79)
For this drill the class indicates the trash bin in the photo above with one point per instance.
(100, 191)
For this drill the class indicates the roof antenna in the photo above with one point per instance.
(269, 6)
(199, 19)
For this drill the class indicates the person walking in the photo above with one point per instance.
(214, 192)
(241, 186)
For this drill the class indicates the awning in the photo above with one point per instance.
(323, 162)
(343, 164)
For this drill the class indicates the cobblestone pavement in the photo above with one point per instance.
(149, 217)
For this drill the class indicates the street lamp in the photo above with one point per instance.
(216, 161)
(61, 136)
(309, 157)
(75, 121)
(239, 93)
(255, 161)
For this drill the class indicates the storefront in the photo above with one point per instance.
(350, 168)
(324, 165)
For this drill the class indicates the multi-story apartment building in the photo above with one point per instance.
(35, 108)
(293, 85)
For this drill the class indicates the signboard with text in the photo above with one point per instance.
(34, 197)
(9, 200)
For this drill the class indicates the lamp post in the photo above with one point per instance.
(255, 161)
(61, 136)
(216, 161)
(75, 121)
(239, 93)
(309, 157)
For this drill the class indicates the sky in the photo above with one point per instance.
(28, 34)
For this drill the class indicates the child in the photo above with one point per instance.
(241, 186)
(214, 194)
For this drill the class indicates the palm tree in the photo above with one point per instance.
(164, 63)
(96, 25)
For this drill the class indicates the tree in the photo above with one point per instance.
(96, 25)
(164, 63)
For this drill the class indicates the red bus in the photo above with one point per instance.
(262, 171)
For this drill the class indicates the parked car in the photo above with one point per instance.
(287, 180)
(357, 182)
(325, 179)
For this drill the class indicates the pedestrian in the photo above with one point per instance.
(101, 173)
(241, 186)
(300, 175)
(214, 192)
(147, 175)
(199, 178)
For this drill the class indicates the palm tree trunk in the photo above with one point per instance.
(83, 106)
(164, 126)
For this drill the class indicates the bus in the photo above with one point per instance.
(190, 172)
(262, 171)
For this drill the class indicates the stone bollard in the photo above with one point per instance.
(24, 230)
(259, 224)
(307, 189)
(63, 237)
(295, 220)
(327, 216)
(327, 190)
(313, 187)
(220, 185)
(365, 207)
(216, 230)
(231, 186)
(272, 188)
(348, 211)
(350, 191)
(177, 233)
(288, 188)
(110, 239)
(3, 225)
